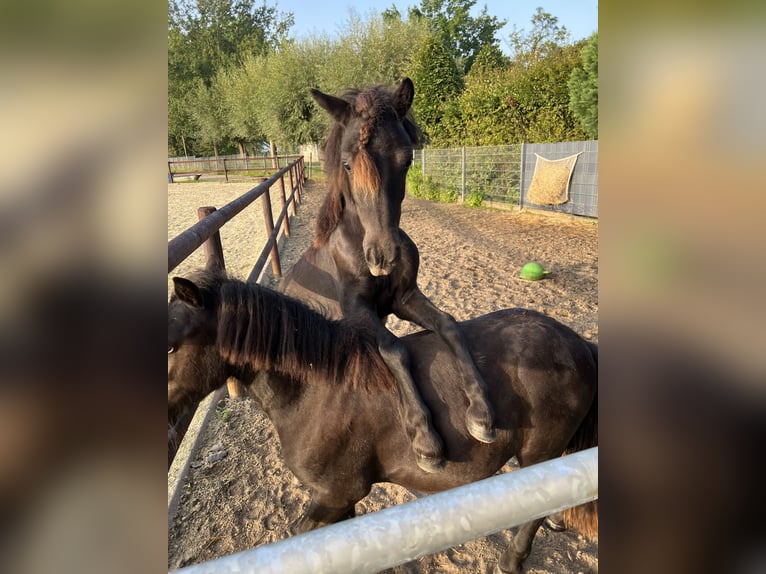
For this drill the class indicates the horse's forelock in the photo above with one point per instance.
(369, 105)
(366, 175)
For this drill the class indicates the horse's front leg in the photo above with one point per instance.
(426, 443)
(416, 307)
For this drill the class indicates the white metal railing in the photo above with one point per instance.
(396, 535)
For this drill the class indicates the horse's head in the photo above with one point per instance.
(367, 157)
(194, 366)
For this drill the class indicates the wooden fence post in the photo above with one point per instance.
(214, 255)
(293, 188)
(213, 247)
(268, 220)
(284, 203)
(225, 172)
(301, 173)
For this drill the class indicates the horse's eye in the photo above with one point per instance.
(346, 166)
(171, 349)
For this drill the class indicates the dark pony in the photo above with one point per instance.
(331, 398)
(363, 265)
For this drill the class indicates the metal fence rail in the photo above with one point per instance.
(396, 535)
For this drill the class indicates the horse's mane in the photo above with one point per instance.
(371, 106)
(271, 331)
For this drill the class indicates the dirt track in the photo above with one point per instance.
(470, 261)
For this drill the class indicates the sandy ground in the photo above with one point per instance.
(470, 261)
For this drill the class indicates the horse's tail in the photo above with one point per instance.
(584, 518)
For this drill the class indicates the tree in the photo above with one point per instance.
(462, 34)
(283, 105)
(219, 33)
(583, 88)
(372, 50)
(209, 115)
(545, 38)
(240, 97)
(204, 37)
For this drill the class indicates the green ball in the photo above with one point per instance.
(533, 271)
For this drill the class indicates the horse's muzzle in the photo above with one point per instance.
(378, 263)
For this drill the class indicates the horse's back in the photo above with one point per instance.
(541, 378)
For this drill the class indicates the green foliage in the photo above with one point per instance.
(462, 35)
(520, 103)
(223, 412)
(375, 50)
(489, 58)
(209, 114)
(541, 94)
(545, 38)
(583, 88)
(206, 37)
(235, 78)
(475, 198)
(426, 188)
(438, 82)
(279, 96)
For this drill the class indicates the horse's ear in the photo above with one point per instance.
(188, 292)
(336, 107)
(403, 97)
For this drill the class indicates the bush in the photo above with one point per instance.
(426, 188)
(475, 198)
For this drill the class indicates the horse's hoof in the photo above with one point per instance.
(481, 433)
(555, 523)
(429, 464)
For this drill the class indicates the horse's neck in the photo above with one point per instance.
(272, 392)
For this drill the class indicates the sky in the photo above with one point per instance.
(580, 17)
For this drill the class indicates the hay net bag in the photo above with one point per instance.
(550, 182)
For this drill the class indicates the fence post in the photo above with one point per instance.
(214, 261)
(268, 220)
(284, 200)
(213, 247)
(462, 182)
(521, 179)
(293, 187)
(311, 162)
(301, 180)
(423, 162)
(225, 172)
(170, 173)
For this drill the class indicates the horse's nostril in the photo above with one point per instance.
(373, 256)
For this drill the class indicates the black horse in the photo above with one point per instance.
(361, 264)
(331, 397)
